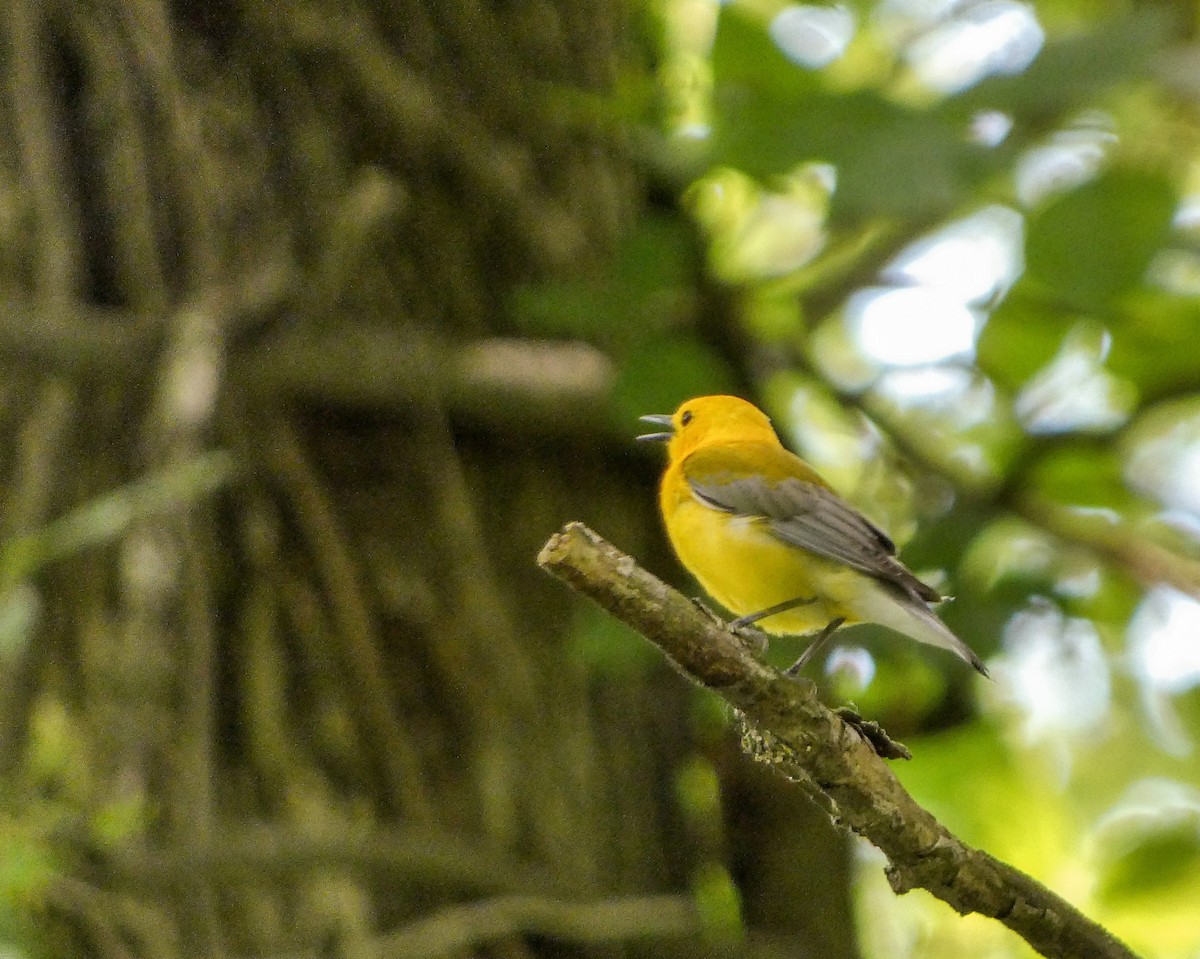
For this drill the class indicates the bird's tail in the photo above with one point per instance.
(911, 616)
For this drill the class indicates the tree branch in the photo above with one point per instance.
(802, 739)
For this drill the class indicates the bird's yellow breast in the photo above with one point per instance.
(746, 569)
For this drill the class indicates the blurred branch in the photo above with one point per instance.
(77, 338)
(360, 645)
(174, 120)
(419, 122)
(43, 450)
(1141, 559)
(107, 518)
(124, 163)
(118, 924)
(458, 930)
(1146, 561)
(805, 741)
(92, 909)
(549, 387)
(463, 929)
(425, 857)
(58, 257)
(530, 386)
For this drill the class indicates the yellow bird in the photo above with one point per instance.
(772, 542)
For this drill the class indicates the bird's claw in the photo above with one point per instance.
(753, 639)
(707, 610)
(876, 736)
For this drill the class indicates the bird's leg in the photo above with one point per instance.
(816, 644)
(783, 607)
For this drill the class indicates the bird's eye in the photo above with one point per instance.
(685, 418)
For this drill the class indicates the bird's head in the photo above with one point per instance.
(709, 419)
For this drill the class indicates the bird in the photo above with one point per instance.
(772, 542)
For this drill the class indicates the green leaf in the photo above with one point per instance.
(608, 647)
(1083, 474)
(646, 284)
(569, 308)
(770, 115)
(1070, 71)
(958, 766)
(745, 57)
(1159, 861)
(659, 253)
(662, 372)
(890, 160)
(1094, 243)
(1154, 854)
(1155, 346)
(718, 902)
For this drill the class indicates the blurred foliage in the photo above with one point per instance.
(27, 866)
(1125, 216)
(609, 648)
(956, 252)
(58, 767)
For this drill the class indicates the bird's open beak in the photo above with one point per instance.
(658, 419)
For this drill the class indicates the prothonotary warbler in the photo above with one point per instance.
(772, 542)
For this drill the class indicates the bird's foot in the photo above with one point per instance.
(876, 736)
(708, 611)
(754, 640)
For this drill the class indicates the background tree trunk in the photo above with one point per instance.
(317, 713)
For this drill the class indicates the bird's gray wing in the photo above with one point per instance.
(815, 518)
